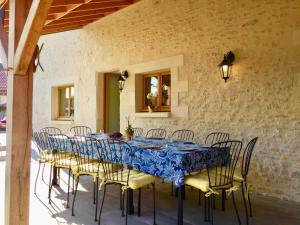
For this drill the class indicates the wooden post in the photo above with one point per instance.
(19, 97)
(19, 105)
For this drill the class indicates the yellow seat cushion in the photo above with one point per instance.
(199, 181)
(93, 169)
(237, 176)
(136, 179)
(65, 163)
(46, 156)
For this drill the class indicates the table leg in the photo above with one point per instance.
(130, 209)
(54, 179)
(180, 206)
(183, 192)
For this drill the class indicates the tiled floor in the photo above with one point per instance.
(267, 211)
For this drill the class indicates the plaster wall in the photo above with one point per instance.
(262, 97)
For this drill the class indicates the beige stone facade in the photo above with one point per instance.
(189, 37)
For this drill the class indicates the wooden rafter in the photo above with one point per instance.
(62, 11)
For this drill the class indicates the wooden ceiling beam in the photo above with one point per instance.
(75, 13)
(30, 35)
(82, 18)
(103, 5)
(63, 13)
(58, 9)
(62, 29)
(67, 2)
(68, 24)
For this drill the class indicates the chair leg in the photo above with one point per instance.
(154, 205)
(97, 191)
(205, 210)
(36, 179)
(43, 173)
(245, 204)
(249, 201)
(139, 202)
(73, 184)
(210, 206)
(214, 202)
(101, 207)
(199, 197)
(172, 188)
(121, 200)
(50, 185)
(94, 192)
(235, 208)
(126, 212)
(68, 198)
(76, 187)
(223, 199)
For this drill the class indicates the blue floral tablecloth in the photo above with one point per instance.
(169, 159)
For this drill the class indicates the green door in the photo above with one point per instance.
(113, 103)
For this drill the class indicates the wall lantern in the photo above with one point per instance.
(226, 65)
(123, 76)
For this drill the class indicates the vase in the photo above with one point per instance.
(150, 109)
(129, 135)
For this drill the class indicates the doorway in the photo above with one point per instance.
(111, 108)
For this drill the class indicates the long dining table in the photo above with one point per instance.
(171, 160)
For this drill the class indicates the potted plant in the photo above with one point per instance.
(129, 130)
(150, 98)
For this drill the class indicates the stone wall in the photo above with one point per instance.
(262, 98)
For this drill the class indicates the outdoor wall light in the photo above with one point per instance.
(226, 65)
(123, 76)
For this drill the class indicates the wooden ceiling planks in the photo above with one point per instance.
(74, 14)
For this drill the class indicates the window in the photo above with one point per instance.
(159, 85)
(66, 102)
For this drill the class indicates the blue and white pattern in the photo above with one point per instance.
(171, 160)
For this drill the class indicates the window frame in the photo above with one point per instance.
(69, 117)
(160, 107)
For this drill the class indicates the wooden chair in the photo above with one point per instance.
(63, 158)
(88, 163)
(216, 137)
(80, 130)
(156, 133)
(183, 135)
(218, 178)
(138, 132)
(51, 130)
(114, 154)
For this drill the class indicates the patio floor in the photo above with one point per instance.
(266, 210)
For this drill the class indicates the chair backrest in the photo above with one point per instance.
(247, 157)
(87, 153)
(183, 135)
(156, 133)
(61, 148)
(114, 155)
(80, 130)
(40, 139)
(222, 174)
(138, 132)
(216, 137)
(51, 130)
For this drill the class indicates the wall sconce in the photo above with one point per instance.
(226, 65)
(123, 76)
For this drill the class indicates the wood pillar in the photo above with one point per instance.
(19, 126)
(26, 21)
